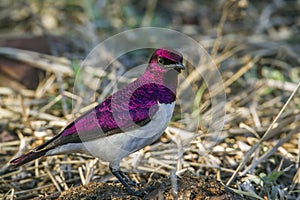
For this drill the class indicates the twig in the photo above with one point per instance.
(149, 13)
(38, 60)
(44, 86)
(241, 72)
(53, 179)
(24, 112)
(251, 151)
(271, 151)
(217, 43)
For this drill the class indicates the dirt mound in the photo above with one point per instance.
(189, 186)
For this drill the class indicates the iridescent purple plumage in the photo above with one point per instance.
(120, 111)
(131, 105)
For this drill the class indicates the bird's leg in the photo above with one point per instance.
(122, 178)
(130, 182)
(115, 170)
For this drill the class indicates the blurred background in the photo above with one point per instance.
(255, 45)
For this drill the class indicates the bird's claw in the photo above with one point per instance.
(139, 193)
(132, 183)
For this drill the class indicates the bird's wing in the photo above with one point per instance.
(123, 111)
(115, 115)
(104, 121)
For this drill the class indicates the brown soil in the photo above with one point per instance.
(189, 187)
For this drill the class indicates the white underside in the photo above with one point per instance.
(118, 146)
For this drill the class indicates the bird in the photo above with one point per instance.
(125, 122)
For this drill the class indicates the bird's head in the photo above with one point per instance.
(164, 66)
(160, 77)
(163, 60)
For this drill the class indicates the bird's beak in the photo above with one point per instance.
(178, 67)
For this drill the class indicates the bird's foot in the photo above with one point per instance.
(127, 183)
(133, 183)
(139, 193)
(127, 180)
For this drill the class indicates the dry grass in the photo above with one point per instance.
(257, 152)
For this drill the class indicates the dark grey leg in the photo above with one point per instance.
(115, 170)
(130, 182)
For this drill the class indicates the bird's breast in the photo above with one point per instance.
(117, 146)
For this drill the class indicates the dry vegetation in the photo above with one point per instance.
(256, 47)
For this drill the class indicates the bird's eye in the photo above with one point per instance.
(160, 60)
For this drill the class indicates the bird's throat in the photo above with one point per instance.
(170, 80)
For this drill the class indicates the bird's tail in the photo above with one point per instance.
(38, 152)
(32, 155)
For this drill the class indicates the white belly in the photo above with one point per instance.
(118, 146)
